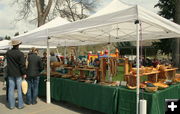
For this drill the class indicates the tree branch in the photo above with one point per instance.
(48, 8)
(38, 6)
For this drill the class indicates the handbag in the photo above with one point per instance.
(24, 85)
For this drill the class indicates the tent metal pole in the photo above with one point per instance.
(48, 91)
(65, 51)
(57, 51)
(137, 66)
(109, 73)
(109, 64)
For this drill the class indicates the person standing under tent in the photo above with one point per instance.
(53, 58)
(16, 69)
(35, 66)
(44, 60)
(5, 77)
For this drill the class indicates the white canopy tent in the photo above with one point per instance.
(113, 23)
(4, 44)
(114, 6)
(119, 26)
(123, 23)
(41, 31)
(39, 35)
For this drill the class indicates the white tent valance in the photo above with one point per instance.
(4, 44)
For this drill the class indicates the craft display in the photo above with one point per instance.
(160, 85)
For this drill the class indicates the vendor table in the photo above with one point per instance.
(155, 101)
(110, 100)
(91, 96)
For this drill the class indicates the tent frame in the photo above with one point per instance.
(137, 66)
(162, 29)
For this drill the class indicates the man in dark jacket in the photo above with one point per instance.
(35, 66)
(15, 71)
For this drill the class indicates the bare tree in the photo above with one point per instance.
(48, 9)
(26, 9)
(42, 10)
(75, 9)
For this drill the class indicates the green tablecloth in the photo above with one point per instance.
(91, 96)
(111, 100)
(155, 101)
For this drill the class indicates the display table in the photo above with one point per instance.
(111, 100)
(155, 101)
(91, 96)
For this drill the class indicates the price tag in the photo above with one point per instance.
(123, 83)
(95, 81)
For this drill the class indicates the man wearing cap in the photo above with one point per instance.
(16, 69)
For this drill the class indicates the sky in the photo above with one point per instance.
(8, 15)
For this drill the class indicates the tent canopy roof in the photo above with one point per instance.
(114, 6)
(41, 32)
(114, 26)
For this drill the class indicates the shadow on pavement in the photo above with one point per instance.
(3, 100)
(1, 78)
(72, 107)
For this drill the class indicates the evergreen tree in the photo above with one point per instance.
(169, 9)
(7, 37)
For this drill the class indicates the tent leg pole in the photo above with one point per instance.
(137, 54)
(65, 51)
(48, 91)
(65, 61)
(109, 73)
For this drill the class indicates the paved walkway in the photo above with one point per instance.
(41, 107)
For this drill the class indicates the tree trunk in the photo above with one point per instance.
(176, 55)
(42, 12)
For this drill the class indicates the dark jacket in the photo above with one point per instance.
(15, 63)
(35, 65)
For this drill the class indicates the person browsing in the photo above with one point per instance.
(16, 70)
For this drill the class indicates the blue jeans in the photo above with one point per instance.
(12, 81)
(32, 93)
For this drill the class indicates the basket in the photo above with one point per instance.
(151, 89)
(161, 85)
(131, 87)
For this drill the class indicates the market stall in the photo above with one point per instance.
(122, 24)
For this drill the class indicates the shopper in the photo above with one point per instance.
(15, 71)
(44, 60)
(53, 58)
(5, 77)
(35, 66)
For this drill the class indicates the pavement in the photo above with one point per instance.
(41, 107)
